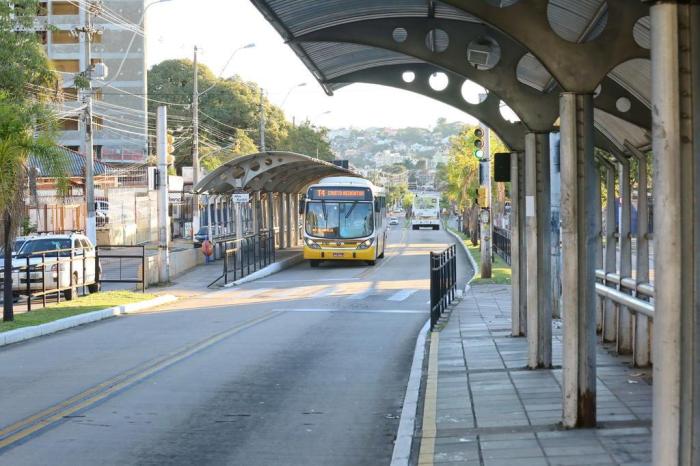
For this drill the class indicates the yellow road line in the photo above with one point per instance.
(89, 397)
(427, 444)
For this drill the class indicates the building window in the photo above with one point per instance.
(65, 8)
(98, 122)
(68, 124)
(64, 37)
(67, 66)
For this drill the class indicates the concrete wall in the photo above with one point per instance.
(181, 261)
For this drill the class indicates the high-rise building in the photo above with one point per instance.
(119, 103)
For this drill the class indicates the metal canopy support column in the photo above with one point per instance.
(555, 232)
(641, 322)
(257, 217)
(624, 323)
(517, 244)
(538, 250)
(675, 51)
(295, 217)
(280, 219)
(578, 250)
(288, 219)
(610, 307)
(598, 232)
(270, 213)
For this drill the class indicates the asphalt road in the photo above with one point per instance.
(306, 367)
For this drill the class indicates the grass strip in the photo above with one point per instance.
(81, 305)
(500, 270)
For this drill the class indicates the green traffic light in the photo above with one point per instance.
(479, 154)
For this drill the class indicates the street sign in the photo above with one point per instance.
(240, 198)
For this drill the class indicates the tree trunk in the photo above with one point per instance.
(7, 308)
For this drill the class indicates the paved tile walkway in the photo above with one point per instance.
(490, 410)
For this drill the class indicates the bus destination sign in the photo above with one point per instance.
(340, 194)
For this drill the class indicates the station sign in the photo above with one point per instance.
(240, 198)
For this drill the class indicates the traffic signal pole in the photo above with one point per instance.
(483, 154)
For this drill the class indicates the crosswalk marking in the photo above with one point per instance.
(360, 311)
(251, 293)
(327, 291)
(402, 295)
(362, 295)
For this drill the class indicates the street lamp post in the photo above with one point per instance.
(195, 130)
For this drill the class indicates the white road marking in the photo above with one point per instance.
(376, 311)
(362, 295)
(401, 295)
(251, 293)
(327, 291)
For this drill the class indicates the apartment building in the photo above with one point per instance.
(119, 105)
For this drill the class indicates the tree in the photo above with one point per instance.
(26, 85)
(228, 107)
(309, 140)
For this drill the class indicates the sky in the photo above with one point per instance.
(219, 27)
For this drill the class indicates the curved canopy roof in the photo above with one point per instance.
(284, 172)
(576, 22)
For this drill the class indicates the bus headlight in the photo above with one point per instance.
(312, 244)
(366, 244)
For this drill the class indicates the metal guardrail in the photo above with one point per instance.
(501, 243)
(626, 292)
(112, 251)
(57, 272)
(247, 255)
(443, 282)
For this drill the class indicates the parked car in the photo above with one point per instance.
(51, 266)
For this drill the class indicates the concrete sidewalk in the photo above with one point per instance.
(484, 407)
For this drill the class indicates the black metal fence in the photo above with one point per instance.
(47, 275)
(501, 243)
(247, 255)
(121, 264)
(443, 281)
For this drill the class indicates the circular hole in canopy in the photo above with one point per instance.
(400, 35)
(408, 76)
(597, 91)
(641, 32)
(473, 93)
(437, 40)
(439, 81)
(507, 113)
(483, 53)
(623, 104)
(567, 22)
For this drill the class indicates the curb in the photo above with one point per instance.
(269, 270)
(27, 333)
(469, 256)
(407, 423)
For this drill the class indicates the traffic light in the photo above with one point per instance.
(478, 143)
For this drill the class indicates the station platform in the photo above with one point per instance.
(483, 406)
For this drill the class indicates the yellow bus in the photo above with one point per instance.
(344, 219)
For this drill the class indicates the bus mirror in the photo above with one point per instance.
(302, 203)
(377, 205)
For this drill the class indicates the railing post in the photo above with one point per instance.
(29, 288)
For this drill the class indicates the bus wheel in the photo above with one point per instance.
(314, 262)
(370, 263)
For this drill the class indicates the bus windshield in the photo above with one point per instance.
(339, 220)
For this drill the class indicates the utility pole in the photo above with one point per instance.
(262, 120)
(163, 217)
(87, 30)
(195, 147)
